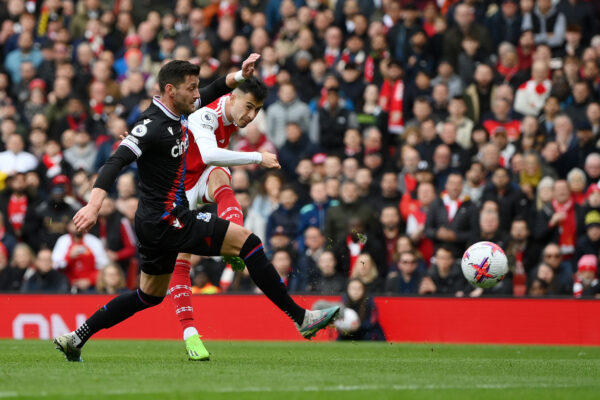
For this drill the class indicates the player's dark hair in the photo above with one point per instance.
(255, 87)
(175, 72)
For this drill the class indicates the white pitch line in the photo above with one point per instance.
(337, 388)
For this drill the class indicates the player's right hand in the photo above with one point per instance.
(269, 160)
(85, 218)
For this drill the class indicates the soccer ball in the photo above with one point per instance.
(484, 264)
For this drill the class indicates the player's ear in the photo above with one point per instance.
(169, 90)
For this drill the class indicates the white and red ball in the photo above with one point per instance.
(484, 264)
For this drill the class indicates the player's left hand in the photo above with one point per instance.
(248, 65)
(124, 135)
(86, 218)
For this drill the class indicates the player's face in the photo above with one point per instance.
(185, 95)
(245, 109)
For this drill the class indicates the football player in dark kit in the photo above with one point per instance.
(163, 222)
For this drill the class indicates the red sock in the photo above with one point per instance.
(180, 290)
(227, 206)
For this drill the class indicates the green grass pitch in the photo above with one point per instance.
(260, 370)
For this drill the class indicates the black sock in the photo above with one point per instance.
(267, 279)
(118, 309)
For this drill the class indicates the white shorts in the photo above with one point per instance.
(199, 193)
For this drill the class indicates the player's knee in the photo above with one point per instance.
(148, 299)
(251, 245)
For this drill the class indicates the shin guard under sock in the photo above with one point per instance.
(228, 207)
(266, 278)
(180, 290)
(118, 309)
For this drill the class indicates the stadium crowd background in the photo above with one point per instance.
(406, 131)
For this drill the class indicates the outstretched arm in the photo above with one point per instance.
(86, 217)
(203, 124)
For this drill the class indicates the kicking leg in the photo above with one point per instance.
(151, 292)
(240, 241)
(228, 208)
(219, 189)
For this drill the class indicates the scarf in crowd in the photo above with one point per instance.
(354, 250)
(452, 206)
(372, 62)
(78, 123)
(52, 164)
(507, 72)
(394, 92)
(531, 180)
(567, 228)
(331, 56)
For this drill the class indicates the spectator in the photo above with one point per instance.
(405, 278)
(478, 94)
(451, 218)
(81, 256)
(577, 183)
(288, 108)
(314, 213)
(446, 75)
(50, 219)
(366, 270)
(505, 24)
(297, 146)
(45, 279)
(15, 159)
(465, 26)
(268, 198)
(391, 96)
(521, 250)
(336, 222)
(282, 262)
(562, 271)
(475, 183)
(12, 274)
(331, 121)
(389, 193)
(550, 26)
(416, 218)
(561, 225)
(305, 274)
(459, 156)
(589, 243)
(329, 281)
(286, 215)
(444, 276)
(7, 240)
(464, 126)
(83, 154)
(357, 299)
(201, 280)
(586, 282)
(25, 52)
(531, 95)
(116, 233)
(511, 201)
(18, 205)
(489, 230)
(111, 280)
(390, 222)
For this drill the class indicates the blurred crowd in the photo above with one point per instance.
(406, 131)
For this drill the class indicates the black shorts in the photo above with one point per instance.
(193, 232)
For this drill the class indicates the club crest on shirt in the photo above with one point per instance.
(139, 130)
(203, 216)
